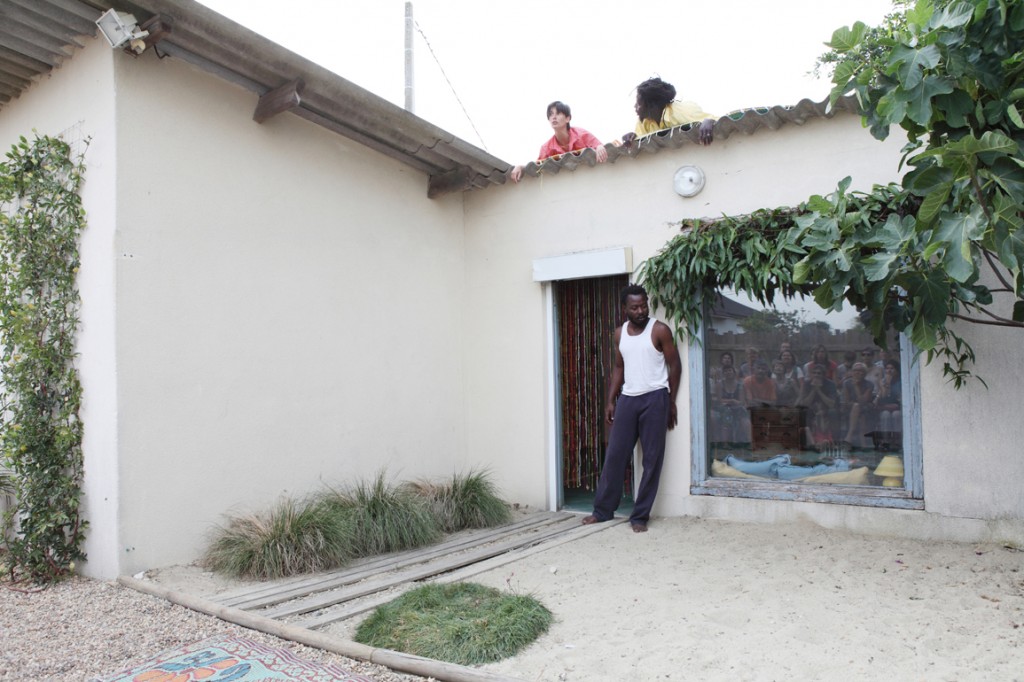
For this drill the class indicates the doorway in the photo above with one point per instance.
(586, 314)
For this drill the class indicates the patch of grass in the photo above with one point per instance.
(371, 517)
(384, 517)
(467, 501)
(293, 537)
(464, 623)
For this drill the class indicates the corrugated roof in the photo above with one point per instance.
(36, 36)
(746, 121)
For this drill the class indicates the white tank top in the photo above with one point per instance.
(645, 369)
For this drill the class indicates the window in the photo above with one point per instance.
(792, 402)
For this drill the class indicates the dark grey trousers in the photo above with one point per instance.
(644, 418)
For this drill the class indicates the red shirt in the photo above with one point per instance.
(760, 391)
(578, 139)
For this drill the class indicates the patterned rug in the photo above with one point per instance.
(225, 658)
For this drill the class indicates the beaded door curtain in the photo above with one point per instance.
(588, 312)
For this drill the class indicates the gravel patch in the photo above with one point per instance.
(82, 628)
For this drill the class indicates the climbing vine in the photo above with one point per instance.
(852, 249)
(773, 251)
(751, 254)
(41, 218)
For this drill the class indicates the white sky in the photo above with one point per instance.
(508, 60)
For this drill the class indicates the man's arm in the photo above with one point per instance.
(615, 382)
(707, 131)
(664, 343)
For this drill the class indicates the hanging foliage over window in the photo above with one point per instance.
(781, 252)
(943, 248)
(41, 218)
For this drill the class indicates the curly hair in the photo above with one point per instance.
(652, 96)
(632, 290)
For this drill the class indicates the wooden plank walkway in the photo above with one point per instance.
(315, 601)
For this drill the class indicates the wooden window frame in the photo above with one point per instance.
(910, 496)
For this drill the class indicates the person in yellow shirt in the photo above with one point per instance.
(657, 109)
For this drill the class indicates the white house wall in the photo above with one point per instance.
(77, 101)
(286, 306)
(969, 487)
(289, 311)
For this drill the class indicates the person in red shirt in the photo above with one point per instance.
(759, 387)
(566, 138)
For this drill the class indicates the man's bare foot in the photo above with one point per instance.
(587, 520)
(639, 527)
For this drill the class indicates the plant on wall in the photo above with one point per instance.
(944, 248)
(41, 218)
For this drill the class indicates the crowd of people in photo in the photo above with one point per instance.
(842, 402)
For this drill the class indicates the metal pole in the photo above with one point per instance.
(410, 104)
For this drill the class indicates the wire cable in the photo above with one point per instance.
(452, 87)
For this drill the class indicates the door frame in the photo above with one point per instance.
(546, 271)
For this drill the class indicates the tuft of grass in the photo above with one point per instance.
(384, 517)
(371, 517)
(467, 501)
(293, 537)
(464, 623)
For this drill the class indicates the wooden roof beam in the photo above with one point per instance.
(287, 96)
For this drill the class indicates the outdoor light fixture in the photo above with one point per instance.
(891, 471)
(688, 181)
(120, 28)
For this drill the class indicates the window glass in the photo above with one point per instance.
(798, 395)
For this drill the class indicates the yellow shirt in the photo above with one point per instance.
(675, 114)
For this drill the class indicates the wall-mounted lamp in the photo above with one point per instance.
(120, 28)
(688, 181)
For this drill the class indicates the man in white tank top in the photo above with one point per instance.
(641, 406)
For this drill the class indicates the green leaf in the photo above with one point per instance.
(955, 15)
(896, 232)
(910, 64)
(931, 297)
(920, 13)
(959, 230)
(1009, 243)
(922, 334)
(844, 72)
(816, 203)
(933, 204)
(955, 108)
(891, 108)
(878, 266)
(1017, 17)
(822, 234)
(919, 98)
(801, 271)
(1014, 115)
(846, 39)
(1009, 176)
(923, 181)
(1018, 311)
(962, 154)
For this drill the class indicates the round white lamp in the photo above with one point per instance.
(688, 181)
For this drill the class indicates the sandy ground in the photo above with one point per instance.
(708, 600)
